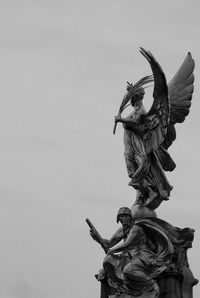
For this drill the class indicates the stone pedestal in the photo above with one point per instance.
(129, 296)
(171, 284)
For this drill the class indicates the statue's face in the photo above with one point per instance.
(125, 220)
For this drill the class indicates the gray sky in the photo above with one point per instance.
(63, 72)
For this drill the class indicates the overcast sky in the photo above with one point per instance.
(63, 72)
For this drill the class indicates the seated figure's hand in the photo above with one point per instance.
(94, 235)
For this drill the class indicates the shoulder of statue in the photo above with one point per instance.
(135, 228)
(119, 233)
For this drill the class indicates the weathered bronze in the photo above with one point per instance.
(144, 253)
(148, 135)
(147, 257)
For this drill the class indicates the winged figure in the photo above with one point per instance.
(148, 135)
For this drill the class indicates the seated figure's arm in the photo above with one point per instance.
(124, 245)
(117, 237)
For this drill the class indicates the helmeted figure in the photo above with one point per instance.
(147, 257)
(134, 269)
(123, 211)
(140, 252)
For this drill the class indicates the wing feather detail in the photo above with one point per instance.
(180, 91)
(156, 121)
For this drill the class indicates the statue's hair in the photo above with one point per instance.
(139, 86)
(133, 90)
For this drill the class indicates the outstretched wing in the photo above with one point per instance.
(180, 90)
(156, 121)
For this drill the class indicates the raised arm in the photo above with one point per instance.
(116, 238)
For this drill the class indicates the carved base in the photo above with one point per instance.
(174, 285)
(176, 281)
(121, 296)
(171, 286)
(129, 296)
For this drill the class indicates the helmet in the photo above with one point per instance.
(122, 211)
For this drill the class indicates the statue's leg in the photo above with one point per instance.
(141, 158)
(138, 280)
(134, 164)
(109, 265)
(129, 155)
(136, 158)
(157, 177)
(143, 167)
(131, 164)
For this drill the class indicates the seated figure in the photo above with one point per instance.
(140, 252)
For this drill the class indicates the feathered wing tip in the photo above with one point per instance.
(160, 83)
(180, 91)
(181, 88)
(147, 54)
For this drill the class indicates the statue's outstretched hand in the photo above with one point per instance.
(94, 235)
(117, 119)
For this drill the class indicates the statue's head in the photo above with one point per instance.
(138, 95)
(136, 91)
(124, 216)
(188, 236)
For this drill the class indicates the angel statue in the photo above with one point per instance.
(148, 135)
